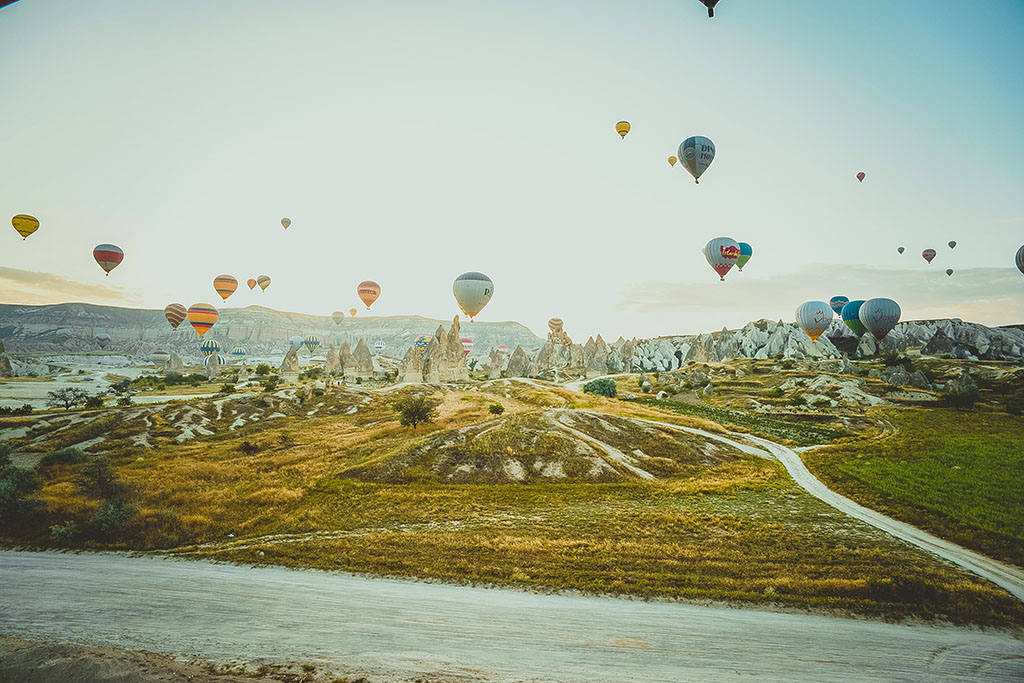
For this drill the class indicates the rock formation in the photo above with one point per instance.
(5, 363)
(213, 366)
(518, 363)
(362, 361)
(595, 356)
(333, 363)
(444, 359)
(289, 370)
(497, 363)
(412, 366)
(174, 365)
(344, 358)
(244, 374)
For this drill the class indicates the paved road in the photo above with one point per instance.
(389, 629)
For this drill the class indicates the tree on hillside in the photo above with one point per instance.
(601, 387)
(69, 398)
(413, 410)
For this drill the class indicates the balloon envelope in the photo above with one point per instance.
(900, 249)
(622, 127)
(696, 153)
(25, 224)
(472, 292)
(263, 281)
(951, 243)
(251, 282)
(850, 317)
(422, 342)
(861, 176)
(949, 271)
(285, 222)
(295, 341)
(159, 357)
(814, 317)
(202, 317)
(467, 345)
(175, 314)
(103, 339)
(928, 255)
(312, 343)
(225, 285)
(210, 347)
(1019, 259)
(368, 291)
(379, 345)
(838, 303)
(879, 316)
(63, 334)
(672, 161)
(746, 251)
(555, 324)
(238, 351)
(722, 254)
(108, 256)
(352, 312)
(337, 317)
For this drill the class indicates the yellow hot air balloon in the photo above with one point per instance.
(225, 285)
(352, 312)
(25, 224)
(622, 127)
(285, 222)
(263, 281)
(672, 161)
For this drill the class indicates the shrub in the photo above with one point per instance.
(63, 533)
(26, 409)
(270, 384)
(774, 392)
(99, 479)
(5, 456)
(262, 370)
(94, 402)
(414, 410)
(359, 380)
(312, 373)
(68, 398)
(227, 388)
(601, 387)
(65, 456)
(124, 400)
(15, 486)
(788, 364)
(111, 517)
(249, 448)
(496, 409)
(960, 398)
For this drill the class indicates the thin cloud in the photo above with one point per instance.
(30, 287)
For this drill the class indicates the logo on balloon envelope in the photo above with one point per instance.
(730, 252)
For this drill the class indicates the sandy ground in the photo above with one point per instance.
(388, 629)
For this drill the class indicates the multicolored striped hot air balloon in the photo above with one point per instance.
(103, 339)
(263, 281)
(159, 357)
(215, 358)
(746, 251)
(368, 291)
(337, 317)
(317, 362)
(239, 352)
(838, 303)
(421, 342)
(175, 314)
(251, 282)
(312, 343)
(555, 325)
(210, 347)
(108, 256)
(225, 285)
(202, 317)
(467, 345)
(622, 128)
(851, 316)
(25, 224)
(861, 176)
(63, 334)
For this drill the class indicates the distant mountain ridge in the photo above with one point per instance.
(261, 330)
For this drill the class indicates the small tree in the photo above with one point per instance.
(227, 388)
(68, 398)
(99, 479)
(601, 387)
(124, 400)
(94, 402)
(414, 410)
(496, 409)
(270, 384)
(262, 370)
(249, 448)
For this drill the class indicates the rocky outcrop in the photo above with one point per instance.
(244, 374)
(5, 363)
(497, 363)
(362, 361)
(518, 363)
(412, 366)
(214, 366)
(333, 363)
(290, 364)
(174, 365)
(595, 356)
(444, 359)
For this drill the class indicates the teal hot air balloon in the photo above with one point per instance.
(850, 315)
(746, 251)
(879, 316)
(838, 303)
(63, 334)
(103, 339)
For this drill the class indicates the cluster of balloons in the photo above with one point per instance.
(877, 316)
(722, 253)
(929, 254)
(696, 152)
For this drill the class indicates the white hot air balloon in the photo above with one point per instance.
(879, 316)
(722, 253)
(814, 317)
(696, 153)
(472, 292)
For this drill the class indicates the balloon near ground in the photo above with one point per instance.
(312, 343)
(472, 292)
(238, 352)
(63, 334)
(368, 291)
(25, 224)
(352, 312)
(622, 128)
(209, 347)
(555, 324)
(202, 317)
(285, 222)
(175, 314)
(263, 281)
(467, 345)
(814, 317)
(696, 153)
(295, 341)
(225, 285)
(159, 357)
(210, 359)
(108, 256)
(103, 339)
(850, 316)
(861, 176)
(379, 345)
(746, 251)
(879, 316)
(421, 342)
(337, 317)
(838, 303)
(721, 254)
(251, 282)
(928, 255)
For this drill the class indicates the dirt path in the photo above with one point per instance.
(388, 629)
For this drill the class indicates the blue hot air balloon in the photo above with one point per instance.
(210, 347)
(837, 303)
(850, 314)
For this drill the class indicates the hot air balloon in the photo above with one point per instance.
(879, 316)
(239, 352)
(555, 325)
(103, 339)
(368, 291)
(251, 282)
(109, 256)
(928, 255)
(467, 345)
(317, 362)
(225, 285)
(202, 317)
(63, 334)
(379, 345)
(951, 244)
(814, 317)
(1019, 259)
(312, 343)
(696, 153)
(472, 292)
(949, 271)
(159, 357)
(337, 317)
(861, 176)
(352, 312)
(850, 317)
(285, 222)
(672, 161)
(502, 349)
(295, 341)
(900, 249)
(622, 127)
(746, 251)
(722, 254)
(710, 4)
(838, 303)
(421, 342)
(211, 359)
(25, 224)
(263, 281)
(210, 347)
(175, 314)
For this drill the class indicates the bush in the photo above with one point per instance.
(99, 479)
(960, 398)
(249, 448)
(65, 456)
(26, 409)
(496, 409)
(312, 373)
(94, 402)
(111, 517)
(270, 384)
(359, 380)
(774, 392)
(788, 364)
(227, 388)
(62, 534)
(601, 387)
(5, 456)
(124, 400)
(15, 485)
(262, 370)
(414, 410)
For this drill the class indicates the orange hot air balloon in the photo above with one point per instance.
(368, 291)
(175, 314)
(263, 281)
(225, 286)
(251, 282)
(352, 312)
(202, 317)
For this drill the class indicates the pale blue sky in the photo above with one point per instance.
(412, 141)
